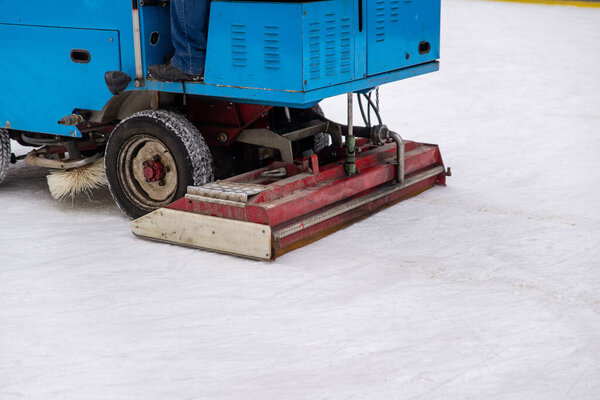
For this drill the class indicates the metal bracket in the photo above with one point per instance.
(311, 128)
(270, 139)
(33, 158)
(137, 45)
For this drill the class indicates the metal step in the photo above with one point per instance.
(223, 192)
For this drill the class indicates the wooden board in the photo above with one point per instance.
(240, 238)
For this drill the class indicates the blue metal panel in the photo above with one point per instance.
(90, 14)
(328, 33)
(255, 45)
(44, 84)
(86, 14)
(395, 29)
(157, 21)
(286, 46)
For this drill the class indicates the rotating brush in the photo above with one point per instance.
(72, 182)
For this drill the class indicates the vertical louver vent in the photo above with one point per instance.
(383, 9)
(315, 49)
(345, 45)
(380, 7)
(330, 47)
(395, 10)
(239, 50)
(272, 47)
(330, 44)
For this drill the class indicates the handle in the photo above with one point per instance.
(162, 3)
(360, 15)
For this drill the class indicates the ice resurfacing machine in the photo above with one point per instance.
(244, 162)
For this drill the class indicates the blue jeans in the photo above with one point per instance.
(189, 27)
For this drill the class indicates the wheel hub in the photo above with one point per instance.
(154, 171)
(147, 172)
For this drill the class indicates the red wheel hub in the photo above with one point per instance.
(154, 171)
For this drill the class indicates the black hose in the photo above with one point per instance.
(371, 104)
(362, 111)
(367, 117)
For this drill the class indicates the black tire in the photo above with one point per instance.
(318, 110)
(161, 136)
(321, 140)
(4, 153)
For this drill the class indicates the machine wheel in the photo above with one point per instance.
(320, 140)
(151, 159)
(318, 110)
(4, 153)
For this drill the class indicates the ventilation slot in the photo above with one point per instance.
(239, 49)
(345, 45)
(380, 7)
(272, 47)
(330, 44)
(395, 10)
(315, 50)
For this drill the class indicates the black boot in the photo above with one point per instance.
(168, 73)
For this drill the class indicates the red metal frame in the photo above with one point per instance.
(215, 118)
(310, 190)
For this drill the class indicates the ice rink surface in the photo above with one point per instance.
(488, 288)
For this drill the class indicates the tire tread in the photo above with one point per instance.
(5, 153)
(198, 153)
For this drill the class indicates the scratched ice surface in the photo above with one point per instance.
(488, 288)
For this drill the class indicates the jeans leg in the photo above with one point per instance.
(189, 27)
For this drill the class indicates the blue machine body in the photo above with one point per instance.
(55, 54)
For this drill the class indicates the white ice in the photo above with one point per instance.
(488, 288)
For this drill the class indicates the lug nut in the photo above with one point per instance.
(156, 157)
(161, 183)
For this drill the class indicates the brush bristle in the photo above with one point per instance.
(72, 182)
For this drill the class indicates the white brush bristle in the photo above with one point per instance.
(72, 182)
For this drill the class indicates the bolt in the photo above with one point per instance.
(161, 182)
(222, 137)
(156, 157)
(167, 169)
